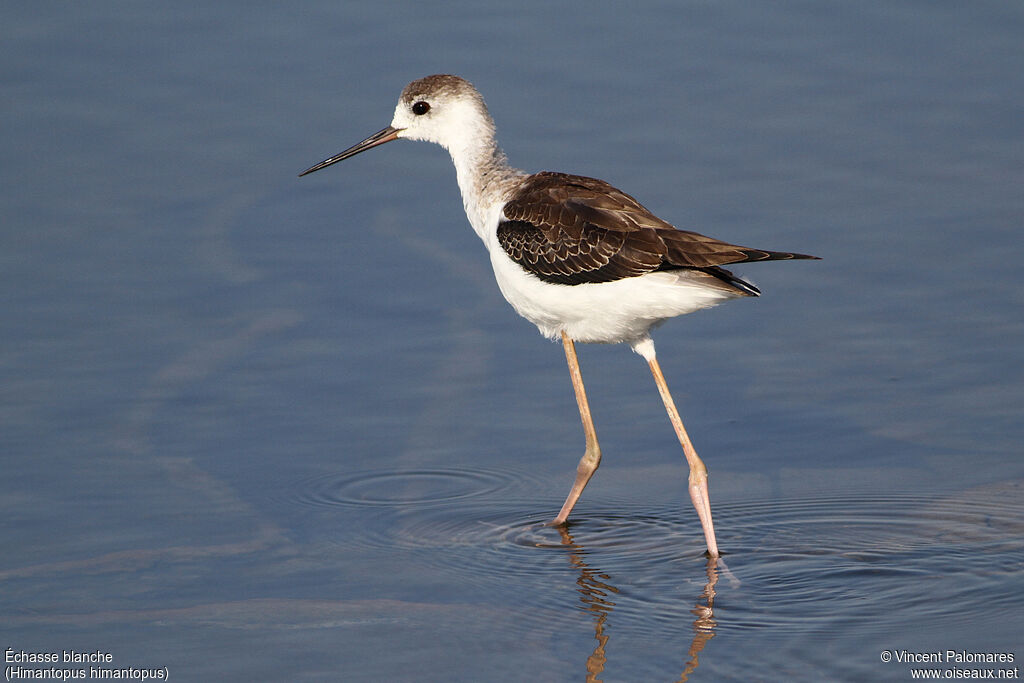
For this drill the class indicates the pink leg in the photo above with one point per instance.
(698, 472)
(592, 456)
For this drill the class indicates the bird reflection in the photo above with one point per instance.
(597, 594)
(704, 625)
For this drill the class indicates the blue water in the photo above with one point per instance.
(254, 427)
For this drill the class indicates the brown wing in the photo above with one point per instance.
(571, 230)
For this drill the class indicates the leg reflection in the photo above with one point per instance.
(704, 626)
(596, 592)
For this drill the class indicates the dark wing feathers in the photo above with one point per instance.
(571, 230)
(691, 249)
(600, 255)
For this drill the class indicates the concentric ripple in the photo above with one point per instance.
(398, 488)
(833, 563)
(790, 566)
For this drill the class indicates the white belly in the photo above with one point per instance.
(607, 312)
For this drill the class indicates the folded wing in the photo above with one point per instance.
(571, 230)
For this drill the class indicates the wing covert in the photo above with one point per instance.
(572, 230)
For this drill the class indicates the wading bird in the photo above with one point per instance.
(578, 258)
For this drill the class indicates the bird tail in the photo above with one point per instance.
(762, 255)
(728, 278)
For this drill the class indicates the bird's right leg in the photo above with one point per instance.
(592, 456)
(698, 472)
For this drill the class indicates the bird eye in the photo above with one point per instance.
(420, 108)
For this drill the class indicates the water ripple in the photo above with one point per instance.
(791, 567)
(394, 488)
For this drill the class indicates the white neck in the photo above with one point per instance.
(484, 175)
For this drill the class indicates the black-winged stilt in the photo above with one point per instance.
(578, 258)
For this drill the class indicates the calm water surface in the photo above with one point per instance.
(258, 428)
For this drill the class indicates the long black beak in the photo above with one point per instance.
(378, 138)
